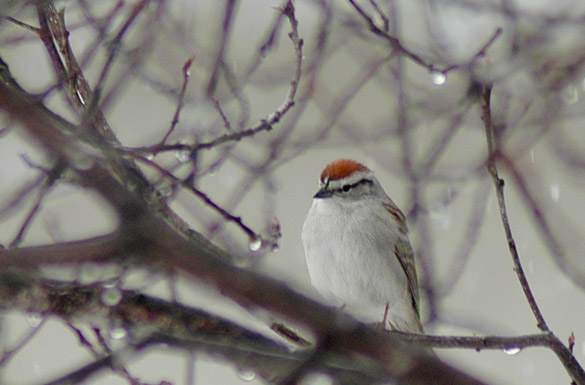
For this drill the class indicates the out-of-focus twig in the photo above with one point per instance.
(8, 354)
(44, 189)
(494, 147)
(54, 35)
(151, 240)
(398, 46)
(223, 41)
(493, 154)
(180, 98)
(265, 124)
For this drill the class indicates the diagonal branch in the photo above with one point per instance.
(153, 241)
(493, 148)
(265, 124)
(396, 44)
(565, 355)
(55, 37)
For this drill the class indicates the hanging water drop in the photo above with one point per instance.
(255, 243)
(118, 332)
(111, 296)
(512, 350)
(246, 375)
(438, 78)
(34, 320)
(183, 155)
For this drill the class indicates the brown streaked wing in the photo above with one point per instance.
(391, 207)
(403, 251)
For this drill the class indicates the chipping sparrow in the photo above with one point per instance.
(357, 249)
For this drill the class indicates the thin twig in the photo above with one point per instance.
(493, 144)
(481, 52)
(223, 41)
(551, 241)
(18, 238)
(382, 15)
(224, 118)
(21, 24)
(226, 214)
(8, 354)
(394, 42)
(116, 43)
(180, 99)
(265, 47)
(55, 37)
(188, 184)
(398, 46)
(20, 195)
(147, 235)
(54, 32)
(265, 124)
(493, 153)
(52, 176)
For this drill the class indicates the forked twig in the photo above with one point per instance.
(564, 354)
(493, 149)
(396, 44)
(265, 124)
(180, 99)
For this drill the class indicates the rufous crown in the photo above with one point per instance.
(341, 168)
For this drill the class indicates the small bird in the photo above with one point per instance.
(357, 249)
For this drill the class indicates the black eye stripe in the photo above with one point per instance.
(347, 187)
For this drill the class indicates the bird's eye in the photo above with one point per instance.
(346, 188)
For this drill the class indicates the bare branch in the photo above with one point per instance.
(180, 99)
(155, 241)
(567, 358)
(223, 40)
(365, 91)
(394, 42)
(493, 153)
(265, 124)
(50, 180)
(398, 46)
(55, 37)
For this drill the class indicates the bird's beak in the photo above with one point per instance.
(323, 193)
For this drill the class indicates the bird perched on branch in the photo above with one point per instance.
(357, 249)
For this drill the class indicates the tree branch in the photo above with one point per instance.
(154, 242)
(571, 364)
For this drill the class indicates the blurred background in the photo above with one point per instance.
(410, 114)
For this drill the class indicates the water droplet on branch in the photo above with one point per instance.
(118, 332)
(438, 78)
(255, 243)
(34, 320)
(246, 374)
(512, 350)
(183, 155)
(111, 296)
